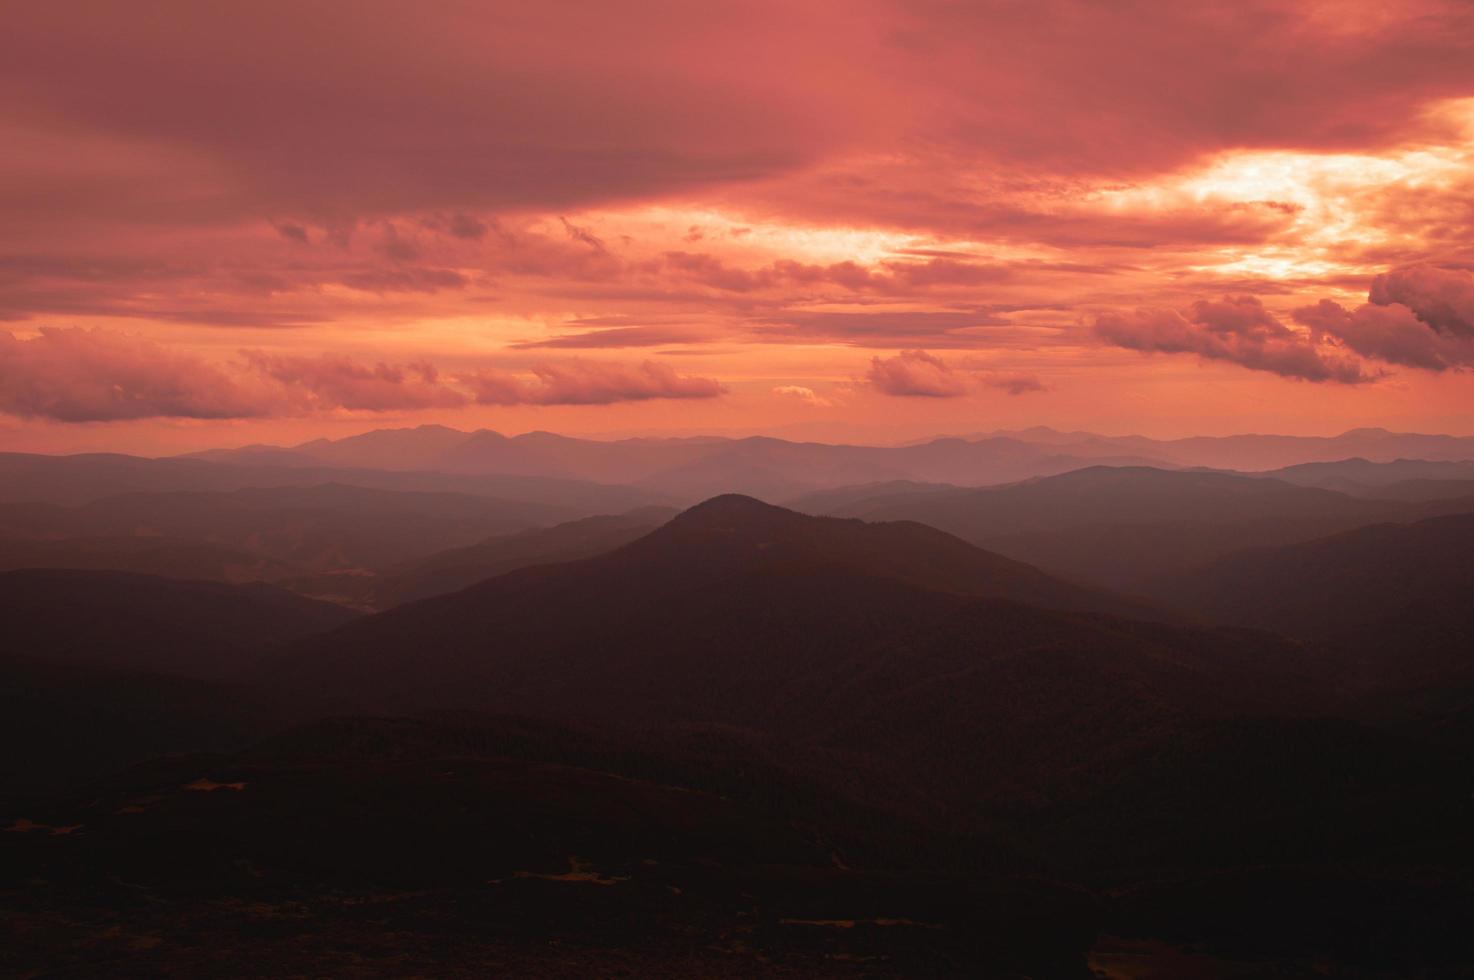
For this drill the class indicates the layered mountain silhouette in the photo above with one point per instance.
(746, 739)
(86, 477)
(1397, 595)
(740, 613)
(147, 555)
(99, 668)
(1399, 479)
(300, 536)
(782, 469)
(1124, 527)
(456, 568)
(688, 469)
(134, 622)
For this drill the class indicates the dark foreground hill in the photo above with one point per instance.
(730, 589)
(485, 846)
(145, 623)
(767, 744)
(1395, 596)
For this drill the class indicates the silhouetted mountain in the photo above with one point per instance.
(1121, 527)
(824, 502)
(80, 479)
(1112, 495)
(1363, 478)
(457, 568)
(744, 614)
(795, 740)
(689, 469)
(145, 555)
(1456, 492)
(145, 623)
(323, 528)
(1259, 452)
(65, 725)
(1398, 595)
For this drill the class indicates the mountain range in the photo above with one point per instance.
(904, 726)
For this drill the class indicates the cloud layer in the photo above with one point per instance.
(76, 375)
(1237, 329)
(799, 194)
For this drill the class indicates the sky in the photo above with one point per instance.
(868, 220)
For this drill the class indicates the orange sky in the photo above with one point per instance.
(862, 220)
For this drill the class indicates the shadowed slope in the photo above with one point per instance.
(145, 623)
(1397, 595)
(457, 568)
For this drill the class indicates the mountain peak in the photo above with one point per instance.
(729, 506)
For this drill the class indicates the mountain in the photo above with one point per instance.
(457, 568)
(83, 478)
(740, 613)
(688, 469)
(150, 555)
(1121, 527)
(691, 469)
(69, 725)
(1111, 495)
(331, 527)
(129, 622)
(1395, 595)
(822, 502)
(1400, 479)
(1252, 452)
(757, 742)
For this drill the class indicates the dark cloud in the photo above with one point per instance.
(1420, 316)
(1442, 298)
(1237, 329)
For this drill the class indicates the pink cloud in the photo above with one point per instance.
(915, 373)
(587, 383)
(1237, 329)
(1442, 298)
(330, 381)
(77, 375)
(1387, 333)
(1013, 383)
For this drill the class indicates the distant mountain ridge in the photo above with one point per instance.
(732, 588)
(1123, 527)
(690, 469)
(778, 469)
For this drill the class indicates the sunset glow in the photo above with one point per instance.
(347, 228)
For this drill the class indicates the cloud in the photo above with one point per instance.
(78, 375)
(1014, 384)
(915, 373)
(1392, 333)
(329, 381)
(803, 394)
(1441, 298)
(935, 328)
(586, 383)
(404, 279)
(1237, 329)
(611, 337)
